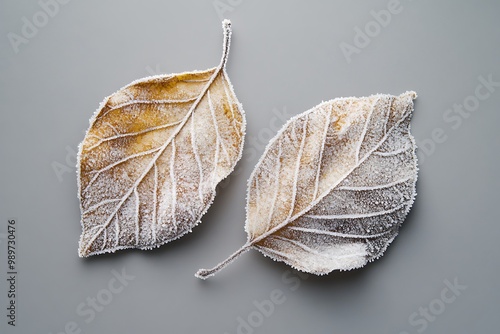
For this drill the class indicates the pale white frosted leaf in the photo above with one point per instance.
(153, 156)
(334, 185)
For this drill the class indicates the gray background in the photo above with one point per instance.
(285, 58)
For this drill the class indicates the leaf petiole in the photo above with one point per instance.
(206, 273)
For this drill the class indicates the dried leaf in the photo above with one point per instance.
(153, 156)
(334, 186)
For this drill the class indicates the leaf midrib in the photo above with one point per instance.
(160, 152)
(319, 198)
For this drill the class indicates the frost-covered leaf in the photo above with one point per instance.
(153, 156)
(334, 185)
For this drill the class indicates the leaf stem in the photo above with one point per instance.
(206, 273)
(226, 26)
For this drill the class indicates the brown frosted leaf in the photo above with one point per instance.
(333, 186)
(153, 156)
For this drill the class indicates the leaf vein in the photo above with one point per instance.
(229, 99)
(365, 130)
(393, 153)
(336, 234)
(297, 166)
(276, 186)
(320, 160)
(98, 205)
(359, 215)
(124, 135)
(216, 127)
(160, 152)
(342, 178)
(382, 186)
(197, 158)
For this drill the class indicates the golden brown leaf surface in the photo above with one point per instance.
(153, 156)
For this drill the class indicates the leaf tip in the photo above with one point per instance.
(84, 248)
(82, 252)
(411, 94)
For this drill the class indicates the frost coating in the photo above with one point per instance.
(153, 156)
(333, 187)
